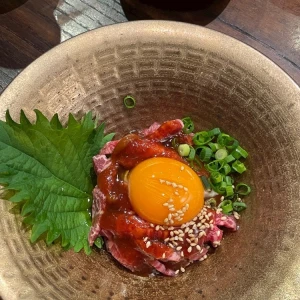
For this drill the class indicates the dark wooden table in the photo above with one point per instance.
(28, 28)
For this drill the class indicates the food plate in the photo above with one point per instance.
(173, 70)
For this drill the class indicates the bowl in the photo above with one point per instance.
(173, 70)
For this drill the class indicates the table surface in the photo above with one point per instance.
(28, 28)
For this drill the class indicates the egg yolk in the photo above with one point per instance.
(165, 191)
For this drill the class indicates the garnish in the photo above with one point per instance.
(129, 102)
(48, 168)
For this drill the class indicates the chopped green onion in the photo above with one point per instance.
(201, 138)
(239, 167)
(221, 154)
(188, 125)
(214, 146)
(229, 190)
(216, 177)
(226, 169)
(175, 143)
(232, 144)
(228, 159)
(184, 150)
(239, 152)
(222, 139)
(242, 189)
(205, 153)
(129, 102)
(220, 188)
(228, 180)
(214, 131)
(212, 202)
(226, 206)
(213, 166)
(205, 182)
(192, 153)
(239, 206)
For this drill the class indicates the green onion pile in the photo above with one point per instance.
(222, 156)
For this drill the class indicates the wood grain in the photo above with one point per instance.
(28, 28)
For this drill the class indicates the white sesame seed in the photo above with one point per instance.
(193, 244)
(191, 231)
(171, 245)
(166, 240)
(218, 233)
(172, 209)
(187, 206)
(166, 220)
(223, 218)
(166, 204)
(171, 228)
(151, 225)
(169, 216)
(161, 180)
(185, 188)
(171, 205)
(206, 217)
(175, 243)
(171, 200)
(180, 186)
(180, 239)
(182, 254)
(171, 233)
(182, 269)
(174, 185)
(222, 198)
(181, 235)
(183, 226)
(176, 193)
(171, 221)
(176, 272)
(236, 215)
(201, 233)
(183, 209)
(203, 221)
(195, 219)
(157, 227)
(164, 255)
(198, 247)
(189, 250)
(178, 248)
(182, 168)
(208, 225)
(168, 182)
(179, 211)
(210, 214)
(188, 240)
(176, 238)
(202, 227)
(145, 239)
(186, 230)
(148, 244)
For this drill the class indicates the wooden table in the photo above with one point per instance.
(28, 28)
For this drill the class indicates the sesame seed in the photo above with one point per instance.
(185, 188)
(191, 231)
(188, 240)
(198, 247)
(148, 244)
(187, 206)
(168, 182)
(203, 221)
(182, 254)
(211, 221)
(179, 211)
(166, 204)
(176, 238)
(223, 218)
(166, 220)
(157, 227)
(170, 245)
(181, 235)
(210, 214)
(166, 240)
(170, 205)
(222, 198)
(202, 227)
(195, 226)
(169, 216)
(236, 215)
(195, 219)
(164, 255)
(182, 226)
(176, 193)
(174, 184)
(176, 272)
(161, 228)
(170, 200)
(189, 250)
(180, 186)
(180, 239)
(145, 239)
(171, 221)
(171, 233)
(175, 243)
(193, 244)
(196, 240)
(186, 230)
(172, 209)
(171, 228)
(182, 168)
(176, 232)
(161, 180)
(207, 225)
(201, 233)
(200, 217)
(178, 248)
(183, 209)
(151, 225)
(182, 269)
(206, 217)
(218, 233)
(239, 199)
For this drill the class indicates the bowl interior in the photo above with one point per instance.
(173, 70)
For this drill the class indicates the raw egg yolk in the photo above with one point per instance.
(165, 191)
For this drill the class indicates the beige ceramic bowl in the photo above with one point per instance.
(173, 70)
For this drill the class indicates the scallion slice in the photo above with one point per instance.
(213, 166)
(214, 131)
(205, 182)
(205, 153)
(238, 167)
(239, 152)
(221, 154)
(228, 159)
(226, 169)
(214, 146)
(239, 206)
(192, 153)
(184, 149)
(212, 202)
(226, 206)
(243, 189)
(216, 177)
(188, 125)
(129, 102)
(229, 190)
(201, 138)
